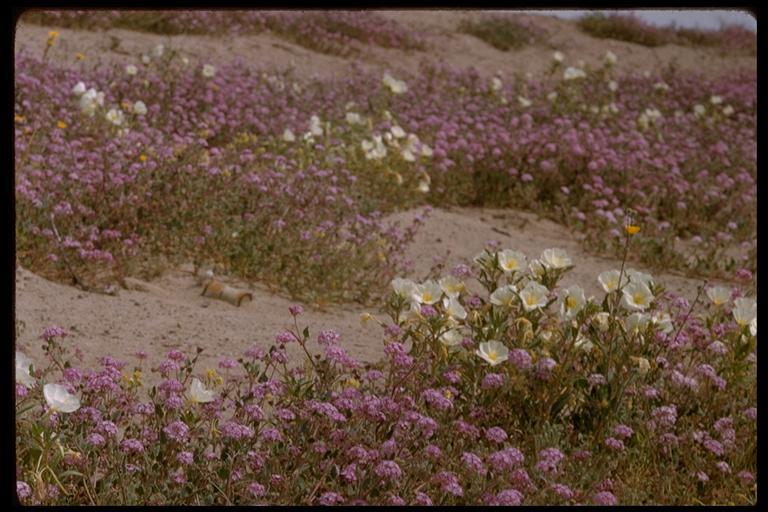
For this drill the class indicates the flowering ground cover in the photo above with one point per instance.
(496, 384)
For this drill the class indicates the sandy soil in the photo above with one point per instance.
(170, 313)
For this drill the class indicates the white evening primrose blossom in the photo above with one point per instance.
(428, 292)
(643, 365)
(511, 261)
(209, 71)
(115, 116)
(139, 108)
(451, 338)
(552, 96)
(394, 85)
(572, 300)
(79, 89)
(661, 86)
(89, 101)
(496, 84)
(613, 86)
(609, 280)
(504, 295)
(558, 57)
(639, 277)
(404, 288)
(536, 268)
(411, 315)
(145, 59)
(699, 110)
(288, 135)
(555, 259)
(423, 186)
(533, 296)
(637, 296)
(524, 102)
(610, 58)
(451, 286)
(601, 320)
(753, 326)
(315, 126)
(493, 352)
(397, 132)
(159, 50)
(353, 118)
(719, 295)
(583, 343)
(663, 322)
(199, 394)
(131, 69)
(728, 110)
(408, 155)
(744, 311)
(716, 100)
(637, 322)
(572, 73)
(59, 399)
(454, 308)
(23, 375)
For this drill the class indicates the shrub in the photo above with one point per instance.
(504, 32)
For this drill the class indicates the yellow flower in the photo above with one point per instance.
(353, 382)
(18, 119)
(61, 124)
(143, 157)
(365, 318)
(80, 56)
(214, 377)
(53, 34)
(632, 230)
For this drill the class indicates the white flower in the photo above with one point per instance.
(115, 116)
(536, 268)
(315, 126)
(209, 71)
(427, 293)
(716, 100)
(185, 61)
(552, 96)
(426, 150)
(613, 86)
(637, 322)
(583, 343)
(745, 311)
(288, 135)
(504, 295)
(423, 186)
(493, 352)
(451, 338)
(396, 86)
(639, 277)
(353, 118)
(451, 286)
(159, 49)
(555, 258)
(454, 308)
(609, 280)
(403, 287)
(533, 296)
(496, 84)
(572, 73)
(131, 69)
(199, 394)
(699, 110)
(637, 296)
(145, 59)
(661, 86)
(139, 108)
(572, 300)
(524, 102)
(413, 314)
(643, 365)
(728, 110)
(408, 156)
(601, 320)
(753, 326)
(23, 375)
(59, 399)
(397, 132)
(558, 56)
(610, 57)
(89, 101)
(511, 261)
(663, 322)
(79, 89)
(719, 295)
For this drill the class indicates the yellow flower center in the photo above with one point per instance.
(492, 355)
(570, 303)
(632, 230)
(531, 300)
(427, 297)
(61, 124)
(638, 298)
